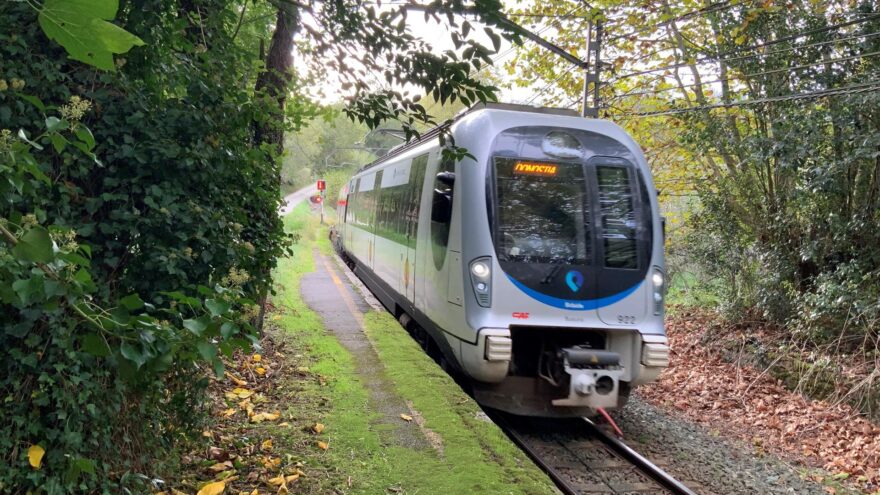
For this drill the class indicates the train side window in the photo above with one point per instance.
(618, 216)
(375, 195)
(414, 200)
(441, 211)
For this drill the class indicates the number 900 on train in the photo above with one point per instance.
(533, 266)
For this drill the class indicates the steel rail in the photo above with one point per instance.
(617, 447)
(636, 459)
(520, 442)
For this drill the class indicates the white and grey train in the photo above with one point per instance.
(534, 266)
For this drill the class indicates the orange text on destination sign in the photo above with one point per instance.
(532, 168)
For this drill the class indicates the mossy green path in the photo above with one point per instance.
(470, 455)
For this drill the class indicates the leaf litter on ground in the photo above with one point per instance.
(748, 404)
(239, 458)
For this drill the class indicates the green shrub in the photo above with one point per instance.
(138, 225)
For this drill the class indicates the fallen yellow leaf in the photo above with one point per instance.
(229, 412)
(221, 466)
(260, 371)
(35, 456)
(266, 445)
(318, 428)
(406, 417)
(255, 492)
(323, 445)
(303, 369)
(257, 358)
(215, 488)
(284, 424)
(208, 434)
(260, 417)
(237, 381)
(242, 393)
(278, 480)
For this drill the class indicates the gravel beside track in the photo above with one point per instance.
(688, 452)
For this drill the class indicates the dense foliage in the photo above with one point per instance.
(802, 177)
(140, 160)
(138, 217)
(761, 122)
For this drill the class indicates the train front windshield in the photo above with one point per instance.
(553, 218)
(543, 212)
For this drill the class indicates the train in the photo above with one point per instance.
(533, 265)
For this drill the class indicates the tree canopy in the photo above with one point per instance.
(764, 115)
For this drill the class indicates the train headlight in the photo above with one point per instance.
(658, 282)
(480, 269)
(657, 278)
(481, 280)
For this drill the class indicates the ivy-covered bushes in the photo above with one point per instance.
(137, 226)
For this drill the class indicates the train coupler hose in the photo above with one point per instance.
(617, 430)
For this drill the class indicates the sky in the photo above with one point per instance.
(438, 36)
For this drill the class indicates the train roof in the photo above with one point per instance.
(434, 132)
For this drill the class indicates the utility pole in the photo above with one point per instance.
(591, 71)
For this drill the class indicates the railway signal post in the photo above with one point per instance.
(322, 186)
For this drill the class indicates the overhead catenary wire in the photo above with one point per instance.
(550, 84)
(714, 58)
(540, 31)
(745, 57)
(753, 74)
(845, 90)
(718, 7)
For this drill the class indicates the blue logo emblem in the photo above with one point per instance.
(575, 280)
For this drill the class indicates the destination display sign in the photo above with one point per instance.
(535, 168)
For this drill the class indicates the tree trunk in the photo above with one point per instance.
(273, 83)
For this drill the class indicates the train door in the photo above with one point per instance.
(434, 237)
(623, 238)
(411, 224)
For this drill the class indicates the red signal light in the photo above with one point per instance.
(322, 184)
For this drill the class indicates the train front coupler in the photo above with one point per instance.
(593, 377)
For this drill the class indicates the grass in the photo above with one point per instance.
(687, 290)
(476, 457)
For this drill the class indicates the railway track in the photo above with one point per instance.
(582, 459)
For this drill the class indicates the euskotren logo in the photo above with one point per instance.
(575, 280)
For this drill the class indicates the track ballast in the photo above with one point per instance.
(584, 460)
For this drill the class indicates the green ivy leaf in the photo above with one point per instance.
(207, 351)
(133, 354)
(85, 135)
(58, 142)
(132, 302)
(81, 27)
(216, 306)
(227, 330)
(54, 124)
(196, 326)
(33, 100)
(34, 246)
(95, 345)
(23, 136)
